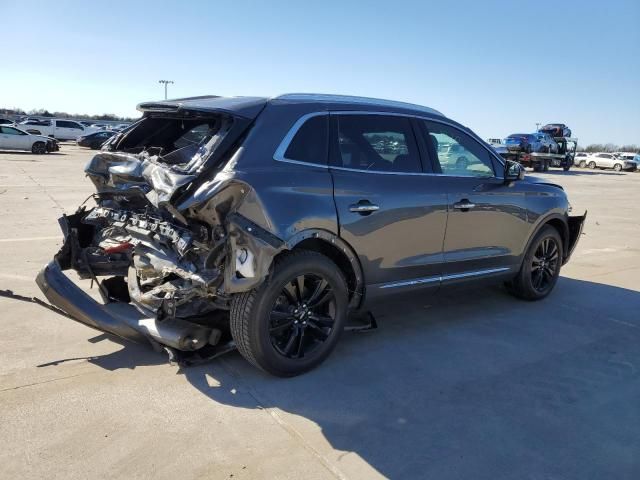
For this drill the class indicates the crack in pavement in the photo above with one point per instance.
(44, 381)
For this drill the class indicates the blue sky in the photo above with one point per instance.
(496, 66)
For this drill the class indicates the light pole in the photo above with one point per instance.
(166, 82)
(537, 124)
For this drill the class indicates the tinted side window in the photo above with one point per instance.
(459, 154)
(310, 143)
(378, 143)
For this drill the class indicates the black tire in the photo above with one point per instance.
(540, 268)
(592, 165)
(545, 165)
(582, 164)
(39, 148)
(617, 167)
(265, 321)
(537, 167)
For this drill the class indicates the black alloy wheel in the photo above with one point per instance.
(291, 322)
(540, 267)
(303, 316)
(544, 265)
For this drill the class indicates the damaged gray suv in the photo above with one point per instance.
(265, 223)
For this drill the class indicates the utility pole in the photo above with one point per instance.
(166, 82)
(537, 124)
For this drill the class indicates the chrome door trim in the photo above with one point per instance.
(443, 278)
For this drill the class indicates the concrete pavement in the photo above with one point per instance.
(474, 385)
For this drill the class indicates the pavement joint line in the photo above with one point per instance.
(30, 239)
(43, 382)
(290, 429)
(44, 189)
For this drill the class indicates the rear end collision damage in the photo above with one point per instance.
(169, 259)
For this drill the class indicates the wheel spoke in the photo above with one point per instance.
(300, 350)
(278, 329)
(291, 342)
(290, 293)
(299, 283)
(322, 320)
(319, 290)
(325, 296)
(278, 316)
(316, 331)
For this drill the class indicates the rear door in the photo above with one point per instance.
(390, 211)
(487, 221)
(67, 130)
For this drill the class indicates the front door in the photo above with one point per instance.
(487, 223)
(390, 212)
(12, 138)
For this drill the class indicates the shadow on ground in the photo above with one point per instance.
(468, 385)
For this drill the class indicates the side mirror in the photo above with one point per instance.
(513, 171)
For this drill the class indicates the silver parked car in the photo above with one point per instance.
(609, 160)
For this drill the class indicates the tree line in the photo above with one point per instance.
(609, 147)
(41, 112)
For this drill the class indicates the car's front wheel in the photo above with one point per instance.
(291, 323)
(592, 165)
(39, 148)
(582, 164)
(540, 268)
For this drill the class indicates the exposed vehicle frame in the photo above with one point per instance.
(210, 232)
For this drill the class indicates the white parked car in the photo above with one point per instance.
(628, 156)
(609, 160)
(57, 128)
(12, 138)
(581, 159)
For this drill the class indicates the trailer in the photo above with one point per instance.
(541, 162)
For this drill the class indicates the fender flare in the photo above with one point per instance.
(340, 245)
(544, 221)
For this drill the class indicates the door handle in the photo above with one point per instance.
(364, 207)
(464, 205)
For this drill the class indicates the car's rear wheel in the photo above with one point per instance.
(592, 165)
(617, 167)
(39, 148)
(291, 323)
(540, 268)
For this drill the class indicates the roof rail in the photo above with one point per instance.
(329, 98)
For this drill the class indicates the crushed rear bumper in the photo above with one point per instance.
(118, 318)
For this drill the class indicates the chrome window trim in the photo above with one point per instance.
(443, 278)
(284, 144)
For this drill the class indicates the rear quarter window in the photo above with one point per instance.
(310, 143)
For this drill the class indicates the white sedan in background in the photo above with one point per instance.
(609, 160)
(12, 138)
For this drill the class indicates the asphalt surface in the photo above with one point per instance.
(467, 385)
